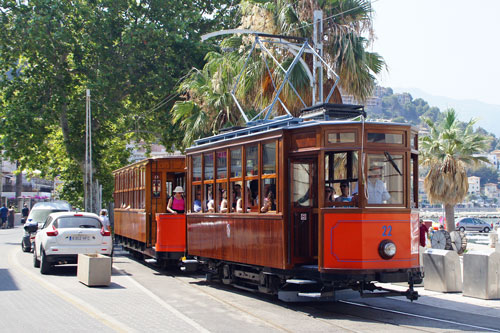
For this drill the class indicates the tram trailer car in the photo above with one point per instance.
(141, 223)
(302, 207)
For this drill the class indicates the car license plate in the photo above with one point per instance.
(79, 238)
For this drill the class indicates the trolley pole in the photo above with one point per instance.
(317, 95)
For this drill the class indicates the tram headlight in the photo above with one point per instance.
(387, 249)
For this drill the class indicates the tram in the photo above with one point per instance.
(298, 206)
(275, 225)
(141, 225)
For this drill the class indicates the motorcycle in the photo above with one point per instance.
(28, 242)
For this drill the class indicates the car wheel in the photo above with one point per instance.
(44, 265)
(24, 247)
(36, 262)
(462, 229)
(486, 229)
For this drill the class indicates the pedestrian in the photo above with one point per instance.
(422, 241)
(3, 214)
(25, 212)
(103, 216)
(11, 214)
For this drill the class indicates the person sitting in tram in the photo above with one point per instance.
(328, 194)
(344, 196)
(176, 203)
(377, 192)
(197, 202)
(223, 203)
(269, 203)
(237, 204)
(210, 201)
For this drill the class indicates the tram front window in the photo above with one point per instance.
(385, 181)
(341, 179)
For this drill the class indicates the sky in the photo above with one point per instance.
(447, 48)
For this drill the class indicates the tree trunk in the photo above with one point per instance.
(449, 211)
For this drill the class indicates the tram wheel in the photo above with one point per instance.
(441, 240)
(458, 241)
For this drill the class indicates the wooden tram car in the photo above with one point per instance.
(307, 244)
(142, 190)
(260, 213)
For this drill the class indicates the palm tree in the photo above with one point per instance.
(447, 150)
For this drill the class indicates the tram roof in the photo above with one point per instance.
(321, 114)
(146, 160)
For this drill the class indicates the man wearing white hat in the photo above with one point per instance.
(377, 192)
(176, 203)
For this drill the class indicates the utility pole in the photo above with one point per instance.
(88, 156)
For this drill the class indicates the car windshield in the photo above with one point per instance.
(78, 222)
(40, 215)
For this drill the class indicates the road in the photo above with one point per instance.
(142, 298)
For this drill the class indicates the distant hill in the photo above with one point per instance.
(488, 114)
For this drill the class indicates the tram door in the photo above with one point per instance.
(304, 215)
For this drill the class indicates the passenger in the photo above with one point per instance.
(176, 203)
(197, 202)
(103, 216)
(377, 192)
(223, 204)
(328, 194)
(269, 203)
(236, 198)
(210, 203)
(344, 196)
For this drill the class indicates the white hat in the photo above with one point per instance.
(178, 189)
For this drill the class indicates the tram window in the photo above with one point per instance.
(341, 137)
(221, 164)
(252, 160)
(236, 163)
(269, 158)
(197, 198)
(385, 181)
(414, 181)
(301, 187)
(341, 168)
(196, 168)
(269, 197)
(390, 138)
(235, 200)
(156, 185)
(252, 194)
(221, 202)
(208, 202)
(209, 166)
(168, 190)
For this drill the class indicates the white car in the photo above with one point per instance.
(66, 234)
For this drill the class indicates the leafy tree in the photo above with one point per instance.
(447, 150)
(130, 54)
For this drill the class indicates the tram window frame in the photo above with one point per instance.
(196, 189)
(379, 159)
(384, 133)
(339, 132)
(349, 173)
(255, 165)
(236, 166)
(414, 181)
(221, 168)
(192, 161)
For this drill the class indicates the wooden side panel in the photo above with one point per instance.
(131, 224)
(249, 240)
(171, 233)
(351, 240)
(303, 140)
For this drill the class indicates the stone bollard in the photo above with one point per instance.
(481, 278)
(443, 271)
(493, 236)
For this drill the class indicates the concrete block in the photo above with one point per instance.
(442, 270)
(482, 274)
(94, 269)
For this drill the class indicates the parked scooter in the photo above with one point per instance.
(28, 242)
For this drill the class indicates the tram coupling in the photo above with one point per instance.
(371, 290)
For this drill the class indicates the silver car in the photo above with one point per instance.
(473, 224)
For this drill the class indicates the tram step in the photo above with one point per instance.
(300, 281)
